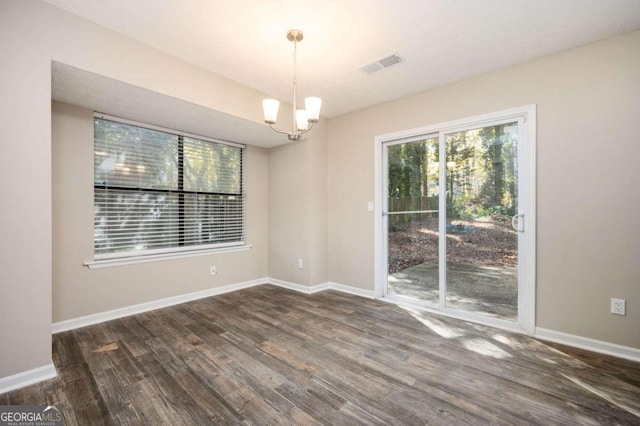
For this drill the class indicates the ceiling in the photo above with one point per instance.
(102, 94)
(441, 41)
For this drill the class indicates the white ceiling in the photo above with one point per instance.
(442, 41)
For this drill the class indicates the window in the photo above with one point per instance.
(158, 191)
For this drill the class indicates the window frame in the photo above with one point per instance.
(134, 256)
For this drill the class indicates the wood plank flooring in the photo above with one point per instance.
(266, 355)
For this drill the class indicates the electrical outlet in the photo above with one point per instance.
(300, 264)
(213, 270)
(618, 306)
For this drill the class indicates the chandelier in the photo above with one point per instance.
(303, 119)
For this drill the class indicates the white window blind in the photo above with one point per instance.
(156, 191)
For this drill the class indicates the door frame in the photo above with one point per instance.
(526, 204)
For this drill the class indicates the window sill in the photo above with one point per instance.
(108, 263)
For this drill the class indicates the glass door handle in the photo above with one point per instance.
(517, 222)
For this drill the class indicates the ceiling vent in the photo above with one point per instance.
(380, 64)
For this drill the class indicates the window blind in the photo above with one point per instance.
(158, 191)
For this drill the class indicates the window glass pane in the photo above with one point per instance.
(130, 156)
(211, 167)
(413, 178)
(213, 219)
(159, 192)
(482, 246)
(134, 221)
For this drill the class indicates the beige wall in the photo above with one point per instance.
(588, 102)
(78, 291)
(25, 198)
(32, 34)
(318, 197)
(298, 209)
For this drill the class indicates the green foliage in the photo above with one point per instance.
(481, 171)
(473, 211)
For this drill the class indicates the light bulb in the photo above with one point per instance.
(270, 107)
(312, 105)
(302, 120)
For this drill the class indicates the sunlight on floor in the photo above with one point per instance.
(483, 347)
(509, 341)
(436, 326)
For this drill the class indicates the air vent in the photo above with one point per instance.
(380, 64)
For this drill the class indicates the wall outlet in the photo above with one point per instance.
(300, 264)
(370, 206)
(213, 270)
(618, 306)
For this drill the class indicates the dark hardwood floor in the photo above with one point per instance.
(265, 355)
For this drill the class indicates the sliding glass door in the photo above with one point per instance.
(454, 204)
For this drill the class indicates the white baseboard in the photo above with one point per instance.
(318, 288)
(369, 294)
(297, 287)
(321, 287)
(27, 378)
(599, 346)
(150, 306)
